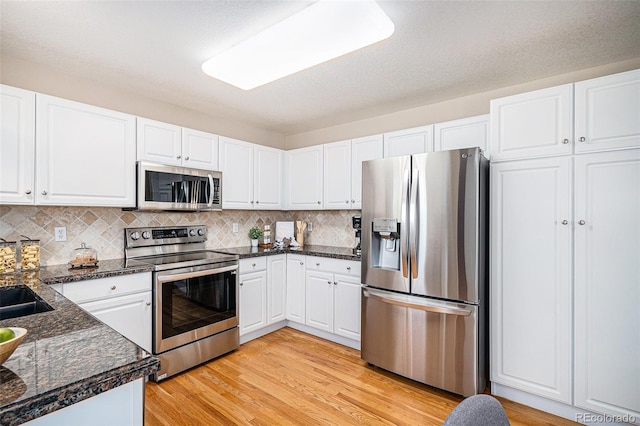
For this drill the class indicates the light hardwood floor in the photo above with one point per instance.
(292, 378)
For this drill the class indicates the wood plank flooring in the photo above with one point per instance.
(292, 378)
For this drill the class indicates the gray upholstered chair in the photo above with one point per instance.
(478, 410)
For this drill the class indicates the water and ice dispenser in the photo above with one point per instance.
(385, 243)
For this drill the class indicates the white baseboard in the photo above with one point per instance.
(301, 327)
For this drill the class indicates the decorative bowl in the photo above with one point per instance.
(7, 348)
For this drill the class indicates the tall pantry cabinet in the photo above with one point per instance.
(565, 247)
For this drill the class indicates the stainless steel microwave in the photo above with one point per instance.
(161, 187)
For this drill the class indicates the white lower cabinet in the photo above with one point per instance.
(253, 297)
(333, 299)
(296, 288)
(123, 303)
(565, 284)
(276, 288)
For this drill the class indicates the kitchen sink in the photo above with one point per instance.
(19, 301)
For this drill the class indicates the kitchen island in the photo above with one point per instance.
(71, 365)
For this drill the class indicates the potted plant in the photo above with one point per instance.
(255, 234)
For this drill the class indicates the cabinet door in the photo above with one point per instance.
(296, 288)
(408, 141)
(276, 288)
(304, 178)
(346, 305)
(86, 155)
(267, 181)
(253, 301)
(199, 149)
(607, 112)
(534, 124)
(236, 164)
(17, 145)
(464, 133)
(129, 315)
(319, 303)
(607, 282)
(531, 277)
(159, 142)
(362, 149)
(337, 175)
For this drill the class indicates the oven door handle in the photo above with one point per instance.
(161, 278)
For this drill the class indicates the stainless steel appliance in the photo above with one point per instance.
(356, 222)
(424, 296)
(195, 295)
(161, 187)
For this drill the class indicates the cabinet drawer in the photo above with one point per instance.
(253, 264)
(103, 288)
(337, 266)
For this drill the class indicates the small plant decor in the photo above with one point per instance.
(255, 233)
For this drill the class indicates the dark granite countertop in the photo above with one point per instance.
(106, 268)
(67, 355)
(345, 253)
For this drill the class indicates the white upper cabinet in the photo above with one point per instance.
(17, 145)
(267, 177)
(337, 175)
(251, 175)
(236, 165)
(199, 149)
(176, 146)
(533, 124)
(607, 112)
(304, 168)
(408, 141)
(465, 133)
(362, 149)
(85, 155)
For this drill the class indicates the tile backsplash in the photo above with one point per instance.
(102, 228)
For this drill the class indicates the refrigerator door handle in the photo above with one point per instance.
(413, 213)
(427, 307)
(404, 256)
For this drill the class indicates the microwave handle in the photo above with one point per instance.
(210, 203)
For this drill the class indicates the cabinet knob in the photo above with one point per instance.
(565, 141)
(148, 303)
(581, 222)
(44, 192)
(319, 202)
(348, 268)
(251, 201)
(178, 157)
(257, 202)
(582, 139)
(301, 263)
(317, 263)
(353, 201)
(241, 283)
(335, 283)
(28, 191)
(565, 222)
(253, 264)
(113, 287)
(346, 201)
(329, 282)
(186, 158)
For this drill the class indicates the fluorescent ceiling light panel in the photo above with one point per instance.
(321, 32)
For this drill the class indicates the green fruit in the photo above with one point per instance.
(6, 334)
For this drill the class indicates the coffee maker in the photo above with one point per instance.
(356, 222)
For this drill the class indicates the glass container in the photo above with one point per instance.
(8, 256)
(83, 257)
(30, 254)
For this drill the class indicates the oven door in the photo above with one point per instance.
(193, 303)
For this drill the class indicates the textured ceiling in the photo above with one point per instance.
(440, 50)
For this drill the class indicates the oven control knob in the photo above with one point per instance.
(192, 232)
(201, 232)
(146, 235)
(135, 235)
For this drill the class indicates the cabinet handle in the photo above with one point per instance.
(301, 263)
(353, 201)
(581, 222)
(582, 139)
(317, 263)
(28, 191)
(178, 157)
(346, 201)
(44, 192)
(565, 141)
(113, 287)
(565, 222)
(186, 158)
(335, 283)
(148, 303)
(241, 283)
(257, 202)
(251, 201)
(348, 268)
(329, 282)
(319, 202)
(253, 264)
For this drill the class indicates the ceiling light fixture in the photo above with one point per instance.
(323, 31)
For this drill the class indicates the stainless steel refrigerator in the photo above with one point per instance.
(424, 267)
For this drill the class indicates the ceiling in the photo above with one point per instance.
(440, 50)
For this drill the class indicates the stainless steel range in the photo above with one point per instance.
(195, 295)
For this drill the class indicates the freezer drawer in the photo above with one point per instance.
(430, 341)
